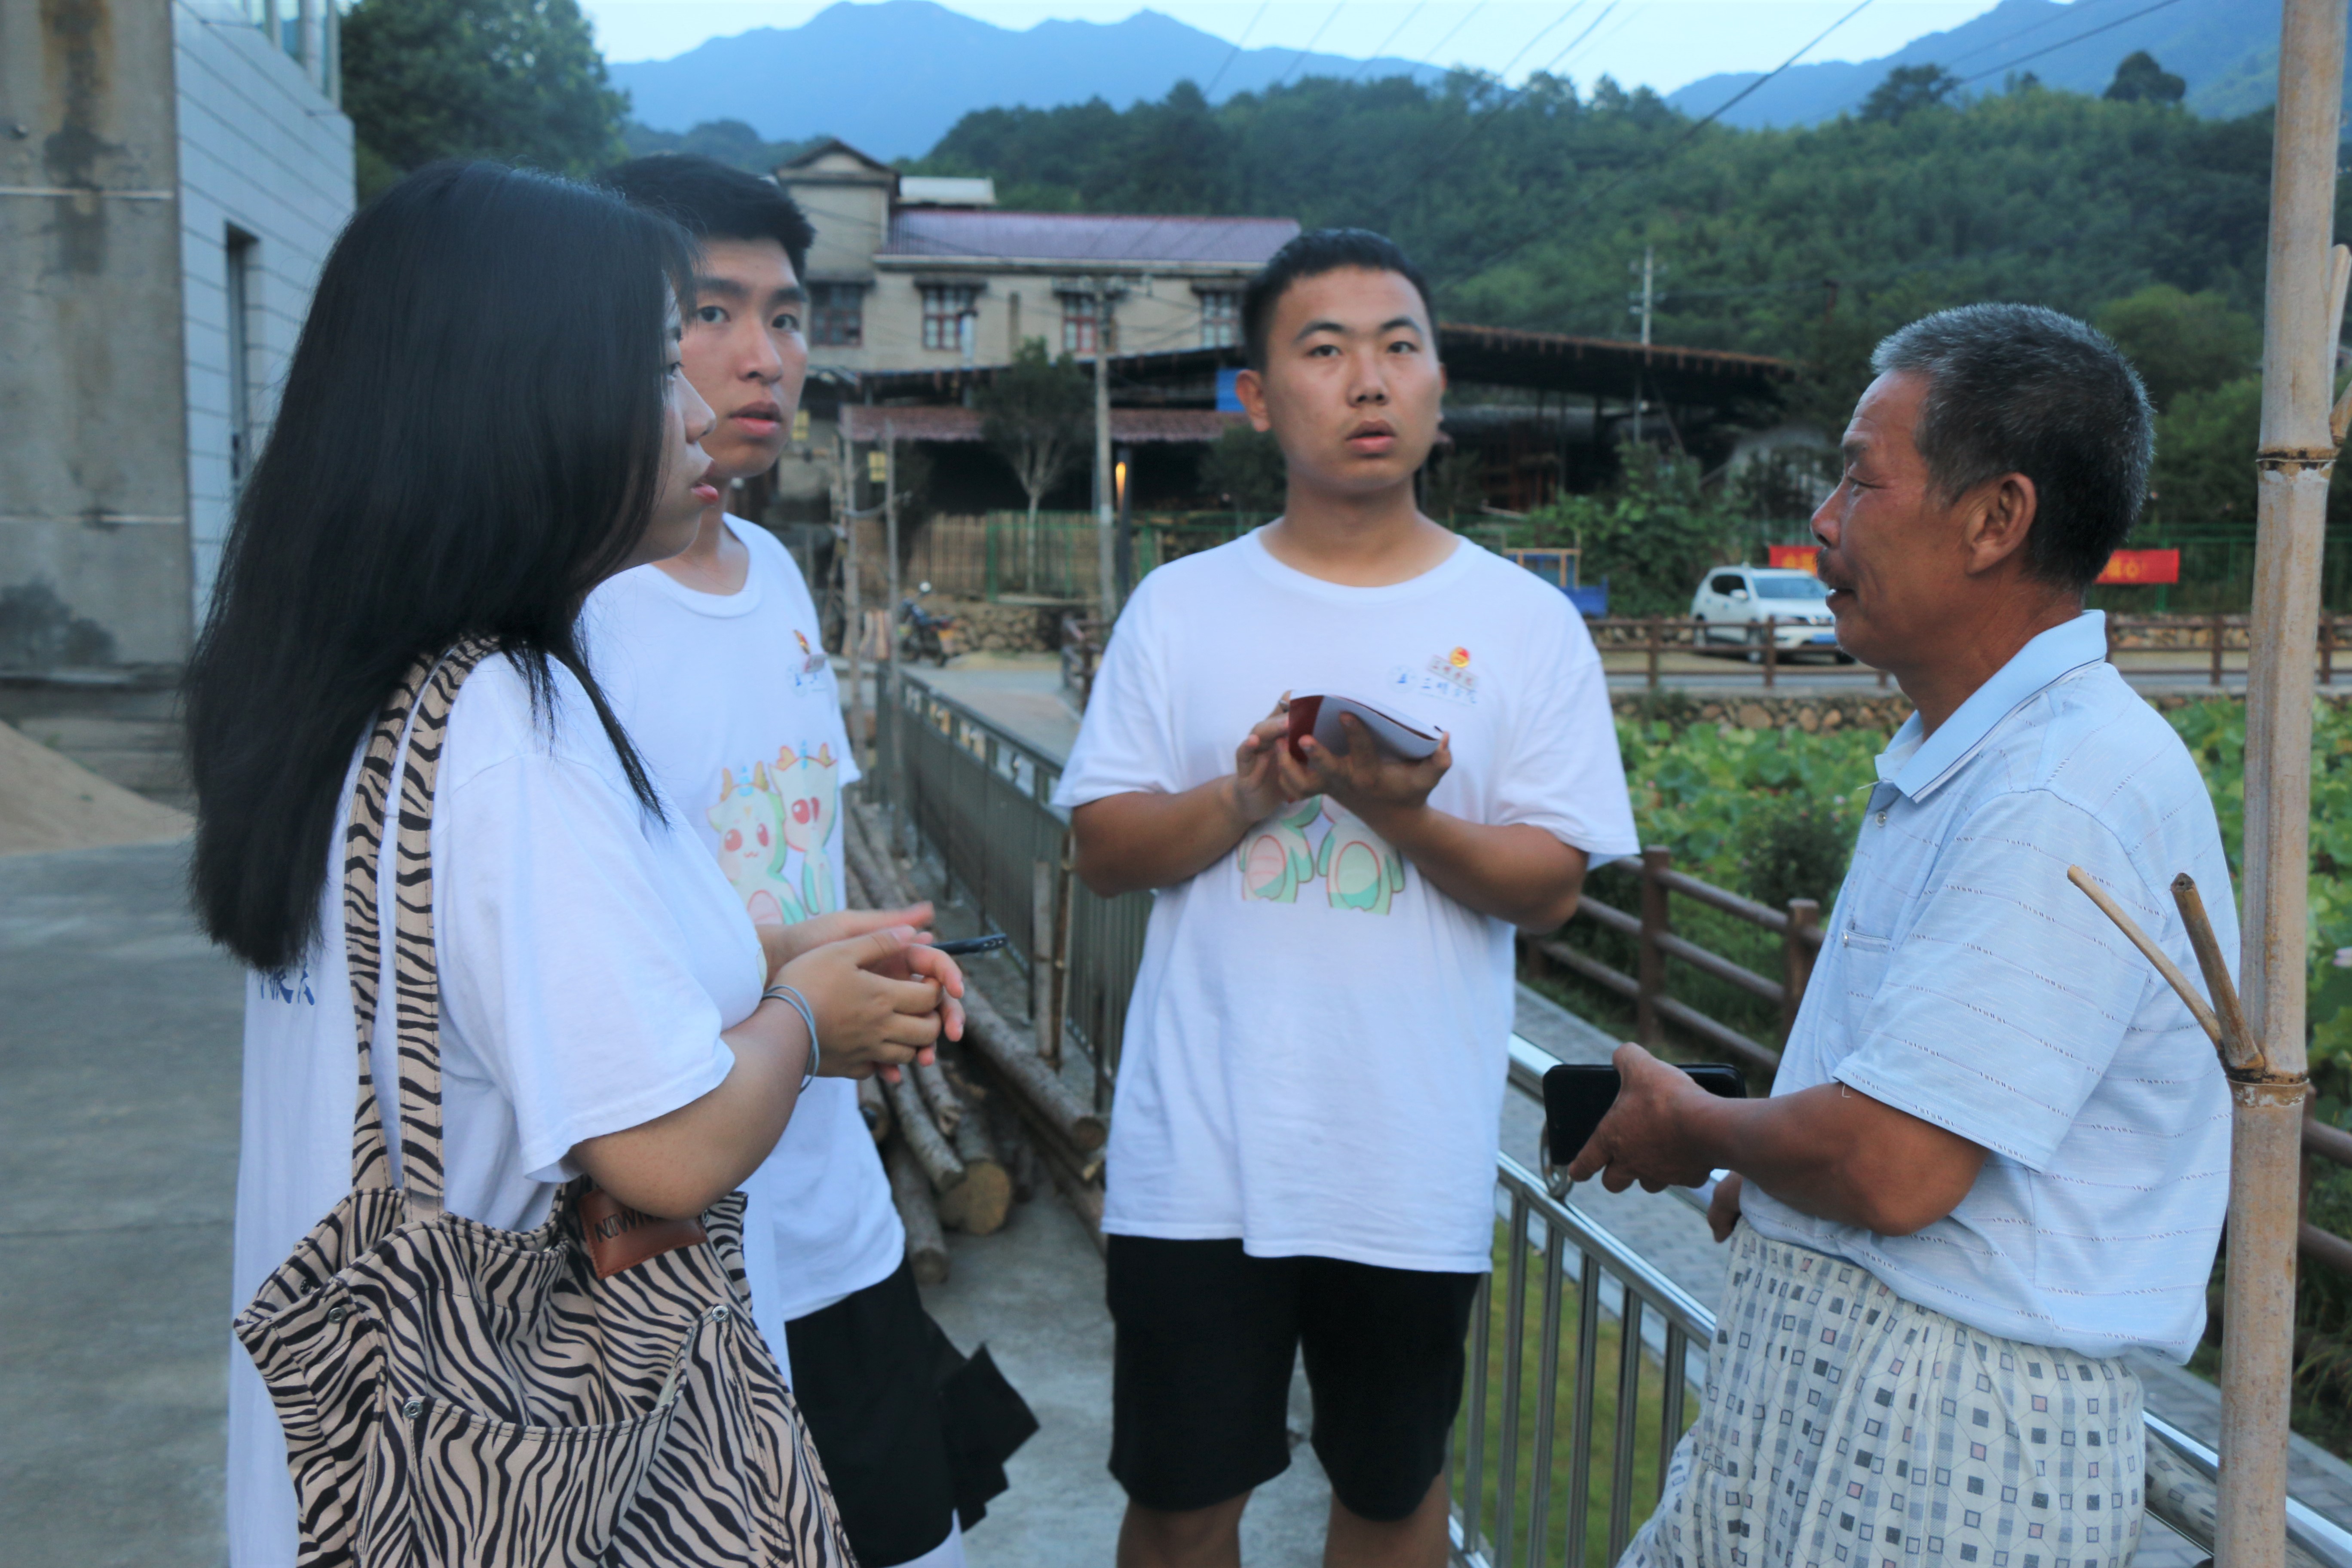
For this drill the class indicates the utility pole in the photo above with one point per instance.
(2303, 316)
(1648, 303)
(888, 703)
(1105, 523)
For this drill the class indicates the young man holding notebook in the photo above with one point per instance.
(1302, 1150)
(713, 662)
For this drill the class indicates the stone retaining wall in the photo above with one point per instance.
(984, 627)
(1819, 712)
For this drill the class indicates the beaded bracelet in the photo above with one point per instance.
(783, 992)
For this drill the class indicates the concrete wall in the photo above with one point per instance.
(137, 132)
(93, 492)
(265, 152)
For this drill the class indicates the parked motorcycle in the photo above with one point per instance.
(922, 635)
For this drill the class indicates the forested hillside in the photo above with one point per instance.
(1528, 208)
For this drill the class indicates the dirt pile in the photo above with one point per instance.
(47, 802)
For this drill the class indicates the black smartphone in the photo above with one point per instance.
(1576, 1097)
(970, 945)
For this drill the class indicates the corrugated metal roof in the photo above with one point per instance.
(1132, 241)
(865, 422)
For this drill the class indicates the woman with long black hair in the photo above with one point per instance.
(484, 419)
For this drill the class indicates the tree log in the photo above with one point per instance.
(927, 1248)
(868, 846)
(931, 1151)
(947, 1107)
(997, 1042)
(1084, 1196)
(875, 1106)
(983, 1201)
(1022, 1161)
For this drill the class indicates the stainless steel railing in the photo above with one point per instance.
(981, 798)
(1518, 1500)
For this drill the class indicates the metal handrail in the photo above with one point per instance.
(1565, 1247)
(999, 795)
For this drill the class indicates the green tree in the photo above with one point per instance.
(1034, 414)
(2139, 80)
(1245, 467)
(2182, 343)
(1906, 90)
(729, 141)
(514, 79)
(1652, 535)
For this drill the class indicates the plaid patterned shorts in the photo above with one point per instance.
(1844, 1426)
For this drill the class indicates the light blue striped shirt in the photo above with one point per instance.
(1966, 981)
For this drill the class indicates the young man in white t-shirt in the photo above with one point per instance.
(713, 661)
(1302, 1153)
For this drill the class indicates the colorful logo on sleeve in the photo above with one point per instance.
(1277, 858)
(775, 825)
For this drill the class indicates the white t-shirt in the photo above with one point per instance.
(1318, 1045)
(732, 706)
(590, 955)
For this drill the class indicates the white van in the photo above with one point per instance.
(1733, 603)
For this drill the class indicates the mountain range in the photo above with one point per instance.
(2226, 50)
(890, 78)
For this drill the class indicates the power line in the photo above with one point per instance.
(2077, 38)
(1553, 25)
(1309, 49)
(1457, 27)
(1393, 36)
(1720, 111)
(1503, 108)
(2066, 14)
(1237, 53)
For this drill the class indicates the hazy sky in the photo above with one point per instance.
(1661, 43)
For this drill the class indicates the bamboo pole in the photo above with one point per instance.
(2302, 310)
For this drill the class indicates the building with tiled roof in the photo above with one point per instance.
(915, 273)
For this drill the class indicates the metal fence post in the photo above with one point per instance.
(1656, 637)
(1772, 650)
(2220, 633)
(2327, 650)
(1650, 964)
(1796, 961)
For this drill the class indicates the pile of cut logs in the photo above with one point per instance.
(962, 1138)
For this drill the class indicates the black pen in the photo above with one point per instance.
(972, 944)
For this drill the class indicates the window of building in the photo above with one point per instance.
(945, 305)
(1079, 327)
(837, 315)
(1220, 321)
(242, 251)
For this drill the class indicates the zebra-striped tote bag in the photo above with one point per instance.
(453, 1393)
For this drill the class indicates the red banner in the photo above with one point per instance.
(1796, 557)
(2142, 567)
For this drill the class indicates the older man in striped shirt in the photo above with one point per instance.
(1996, 1156)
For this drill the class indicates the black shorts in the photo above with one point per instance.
(1200, 1372)
(866, 1382)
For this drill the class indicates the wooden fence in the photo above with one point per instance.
(1660, 1017)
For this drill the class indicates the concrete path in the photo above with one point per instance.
(119, 1059)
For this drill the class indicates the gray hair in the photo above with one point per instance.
(2020, 389)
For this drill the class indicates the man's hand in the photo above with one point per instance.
(1142, 839)
(1257, 791)
(1370, 781)
(1723, 1211)
(1644, 1138)
(782, 944)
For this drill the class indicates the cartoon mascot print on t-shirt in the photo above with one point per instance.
(1277, 859)
(775, 824)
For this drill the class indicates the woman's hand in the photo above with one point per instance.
(881, 1000)
(782, 944)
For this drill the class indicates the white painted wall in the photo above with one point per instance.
(264, 150)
